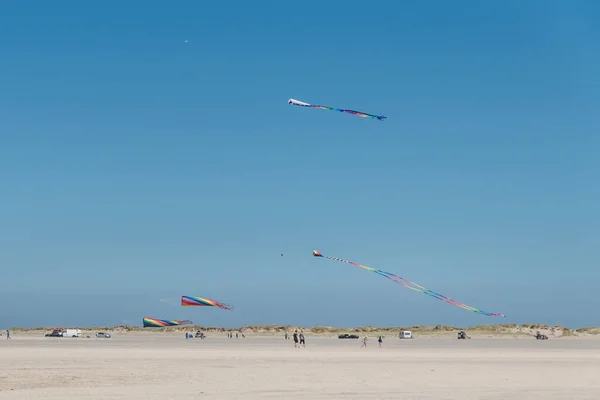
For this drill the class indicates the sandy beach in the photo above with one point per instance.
(167, 366)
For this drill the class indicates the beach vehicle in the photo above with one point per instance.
(71, 333)
(347, 336)
(200, 335)
(463, 335)
(103, 335)
(405, 335)
(55, 333)
(540, 336)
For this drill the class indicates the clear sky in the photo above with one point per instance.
(135, 166)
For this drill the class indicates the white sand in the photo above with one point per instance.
(169, 367)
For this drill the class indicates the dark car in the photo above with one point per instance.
(347, 336)
(55, 333)
(463, 335)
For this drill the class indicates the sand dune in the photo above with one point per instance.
(490, 331)
(167, 366)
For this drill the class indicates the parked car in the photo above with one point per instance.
(405, 335)
(103, 335)
(55, 333)
(540, 336)
(71, 333)
(463, 335)
(347, 336)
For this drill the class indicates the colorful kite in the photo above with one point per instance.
(191, 301)
(357, 113)
(411, 285)
(161, 323)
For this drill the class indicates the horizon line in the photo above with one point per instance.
(320, 327)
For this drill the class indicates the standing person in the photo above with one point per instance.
(302, 342)
(7, 334)
(364, 343)
(296, 339)
(380, 340)
(286, 336)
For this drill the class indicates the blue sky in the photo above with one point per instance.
(135, 166)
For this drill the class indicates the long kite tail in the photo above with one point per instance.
(158, 323)
(344, 110)
(411, 285)
(194, 301)
(357, 113)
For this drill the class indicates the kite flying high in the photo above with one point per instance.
(357, 113)
(161, 323)
(411, 285)
(191, 301)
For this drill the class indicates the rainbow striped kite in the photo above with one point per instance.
(411, 285)
(161, 323)
(191, 301)
(357, 113)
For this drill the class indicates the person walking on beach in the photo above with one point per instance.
(380, 340)
(296, 339)
(364, 343)
(302, 342)
(7, 334)
(286, 336)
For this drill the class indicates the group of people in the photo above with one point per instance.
(366, 339)
(299, 339)
(199, 334)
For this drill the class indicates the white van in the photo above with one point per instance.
(71, 333)
(405, 335)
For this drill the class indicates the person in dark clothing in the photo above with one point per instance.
(302, 342)
(296, 339)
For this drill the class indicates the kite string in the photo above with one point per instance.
(173, 301)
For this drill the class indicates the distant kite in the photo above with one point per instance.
(160, 323)
(411, 285)
(357, 113)
(191, 301)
